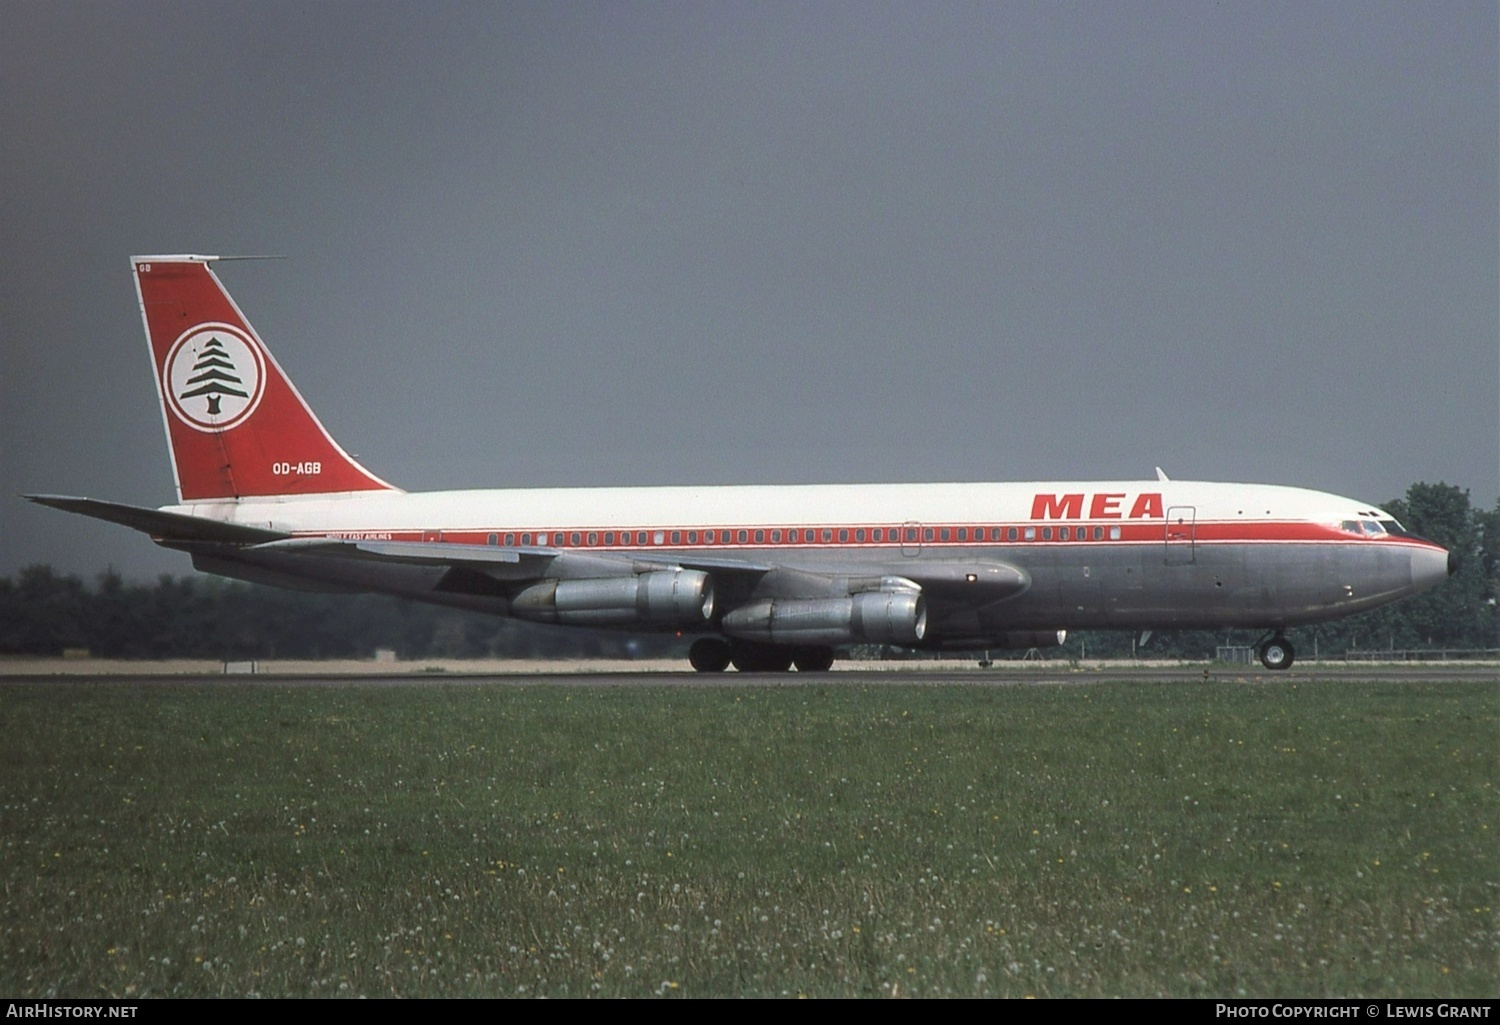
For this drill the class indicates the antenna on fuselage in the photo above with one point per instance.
(1161, 474)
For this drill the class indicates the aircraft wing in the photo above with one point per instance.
(421, 553)
(971, 583)
(509, 563)
(967, 582)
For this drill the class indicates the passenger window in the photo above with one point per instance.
(760, 537)
(1031, 533)
(659, 536)
(1063, 533)
(927, 534)
(1010, 534)
(776, 537)
(843, 535)
(943, 534)
(593, 537)
(1114, 533)
(827, 535)
(744, 536)
(791, 536)
(574, 538)
(526, 539)
(1098, 533)
(963, 533)
(877, 535)
(493, 539)
(1046, 533)
(859, 535)
(677, 537)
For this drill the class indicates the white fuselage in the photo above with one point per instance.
(1140, 554)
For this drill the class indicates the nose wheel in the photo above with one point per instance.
(1277, 653)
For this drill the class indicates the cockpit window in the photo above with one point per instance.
(1372, 528)
(1392, 527)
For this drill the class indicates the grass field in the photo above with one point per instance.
(1270, 838)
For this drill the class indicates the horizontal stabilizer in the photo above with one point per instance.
(165, 525)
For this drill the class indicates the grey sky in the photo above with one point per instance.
(618, 243)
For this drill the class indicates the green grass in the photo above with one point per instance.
(1226, 839)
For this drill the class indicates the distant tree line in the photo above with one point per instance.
(43, 612)
(46, 613)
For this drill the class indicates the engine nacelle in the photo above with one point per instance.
(878, 617)
(661, 598)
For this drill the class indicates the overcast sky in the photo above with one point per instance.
(642, 243)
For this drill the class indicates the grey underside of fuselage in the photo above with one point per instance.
(1087, 586)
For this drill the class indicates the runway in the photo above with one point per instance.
(667, 674)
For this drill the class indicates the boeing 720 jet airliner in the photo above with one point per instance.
(764, 577)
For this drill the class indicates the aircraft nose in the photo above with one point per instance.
(1431, 566)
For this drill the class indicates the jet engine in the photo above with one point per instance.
(881, 617)
(660, 598)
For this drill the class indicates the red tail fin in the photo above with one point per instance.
(236, 426)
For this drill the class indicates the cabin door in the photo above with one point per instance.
(911, 539)
(1181, 535)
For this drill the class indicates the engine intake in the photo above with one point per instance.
(662, 598)
(880, 617)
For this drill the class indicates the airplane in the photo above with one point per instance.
(763, 577)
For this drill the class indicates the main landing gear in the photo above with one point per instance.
(712, 655)
(1276, 652)
(709, 655)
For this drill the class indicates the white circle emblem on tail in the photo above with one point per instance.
(214, 377)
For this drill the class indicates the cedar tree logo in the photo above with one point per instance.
(214, 377)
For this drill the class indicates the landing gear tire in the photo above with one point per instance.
(709, 655)
(760, 658)
(813, 660)
(1277, 653)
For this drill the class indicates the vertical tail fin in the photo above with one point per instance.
(236, 425)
